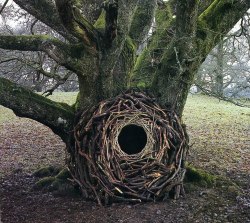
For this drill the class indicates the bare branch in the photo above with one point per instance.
(45, 11)
(221, 97)
(4, 5)
(59, 82)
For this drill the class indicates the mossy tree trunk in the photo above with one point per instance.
(102, 51)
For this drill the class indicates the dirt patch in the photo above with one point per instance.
(20, 203)
(27, 145)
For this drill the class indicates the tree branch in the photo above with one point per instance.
(45, 11)
(221, 97)
(64, 54)
(27, 42)
(148, 62)
(111, 9)
(126, 12)
(24, 103)
(217, 20)
(4, 5)
(142, 20)
(77, 25)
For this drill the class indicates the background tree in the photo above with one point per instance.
(100, 47)
(34, 70)
(225, 72)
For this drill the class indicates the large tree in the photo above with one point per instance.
(100, 45)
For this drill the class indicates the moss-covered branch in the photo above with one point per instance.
(111, 13)
(179, 60)
(77, 25)
(45, 11)
(24, 103)
(27, 42)
(67, 55)
(148, 62)
(142, 20)
(189, 38)
(217, 20)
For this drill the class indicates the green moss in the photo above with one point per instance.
(64, 174)
(58, 184)
(25, 98)
(76, 105)
(44, 182)
(142, 20)
(141, 85)
(47, 171)
(100, 22)
(149, 61)
(199, 177)
(218, 8)
(216, 21)
(128, 54)
(163, 15)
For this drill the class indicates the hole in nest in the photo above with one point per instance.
(132, 139)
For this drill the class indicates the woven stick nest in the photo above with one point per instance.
(108, 170)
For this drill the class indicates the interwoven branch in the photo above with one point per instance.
(106, 173)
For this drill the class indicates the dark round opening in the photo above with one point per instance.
(132, 139)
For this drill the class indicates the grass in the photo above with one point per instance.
(219, 131)
(69, 97)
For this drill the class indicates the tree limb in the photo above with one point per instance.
(77, 25)
(180, 60)
(217, 20)
(111, 9)
(24, 103)
(45, 11)
(64, 54)
(221, 97)
(142, 20)
(27, 42)
(148, 62)
(4, 5)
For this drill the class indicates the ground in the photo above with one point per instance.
(219, 134)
